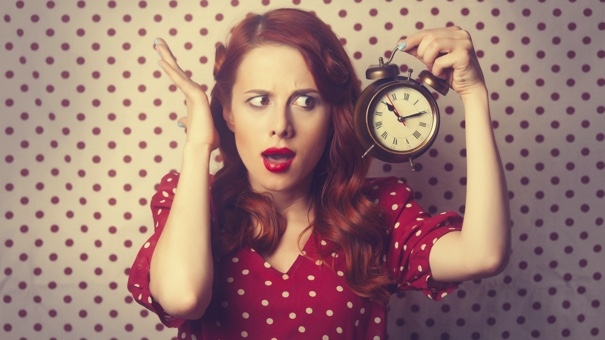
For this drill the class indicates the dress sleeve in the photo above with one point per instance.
(411, 234)
(138, 280)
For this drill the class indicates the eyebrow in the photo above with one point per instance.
(297, 92)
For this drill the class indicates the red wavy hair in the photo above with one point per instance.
(342, 213)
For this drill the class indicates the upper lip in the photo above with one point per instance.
(279, 152)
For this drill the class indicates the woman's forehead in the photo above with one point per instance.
(274, 65)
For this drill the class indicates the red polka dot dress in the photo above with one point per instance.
(253, 300)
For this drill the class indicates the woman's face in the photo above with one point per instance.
(279, 119)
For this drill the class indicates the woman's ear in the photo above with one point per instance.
(228, 117)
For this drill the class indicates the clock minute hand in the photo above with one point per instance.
(414, 114)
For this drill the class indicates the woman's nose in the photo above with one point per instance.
(282, 125)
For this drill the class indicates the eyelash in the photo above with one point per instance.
(308, 103)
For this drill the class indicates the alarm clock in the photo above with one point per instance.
(396, 117)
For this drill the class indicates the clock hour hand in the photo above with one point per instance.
(392, 108)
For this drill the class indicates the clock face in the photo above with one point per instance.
(402, 119)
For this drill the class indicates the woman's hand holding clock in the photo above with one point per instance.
(449, 54)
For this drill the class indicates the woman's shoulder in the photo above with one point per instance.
(171, 179)
(375, 188)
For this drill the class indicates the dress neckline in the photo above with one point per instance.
(301, 255)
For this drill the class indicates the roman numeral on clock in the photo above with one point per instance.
(417, 134)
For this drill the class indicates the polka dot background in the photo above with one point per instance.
(89, 127)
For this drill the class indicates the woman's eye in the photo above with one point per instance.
(259, 101)
(305, 102)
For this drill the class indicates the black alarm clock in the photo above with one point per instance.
(396, 117)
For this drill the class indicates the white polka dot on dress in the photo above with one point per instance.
(394, 206)
(285, 294)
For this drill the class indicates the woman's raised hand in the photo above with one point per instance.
(449, 54)
(198, 122)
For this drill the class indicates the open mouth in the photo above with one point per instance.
(278, 159)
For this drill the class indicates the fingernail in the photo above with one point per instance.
(401, 46)
(155, 42)
(180, 124)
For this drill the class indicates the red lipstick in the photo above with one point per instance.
(278, 159)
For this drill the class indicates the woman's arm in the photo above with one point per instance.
(181, 272)
(482, 248)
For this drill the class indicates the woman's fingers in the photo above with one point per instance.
(166, 54)
(449, 54)
(190, 89)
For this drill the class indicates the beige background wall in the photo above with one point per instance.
(88, 127)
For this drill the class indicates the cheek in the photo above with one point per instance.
(318, 139)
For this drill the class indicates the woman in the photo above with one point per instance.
(292, 241)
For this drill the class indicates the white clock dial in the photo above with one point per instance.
(402, 119)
